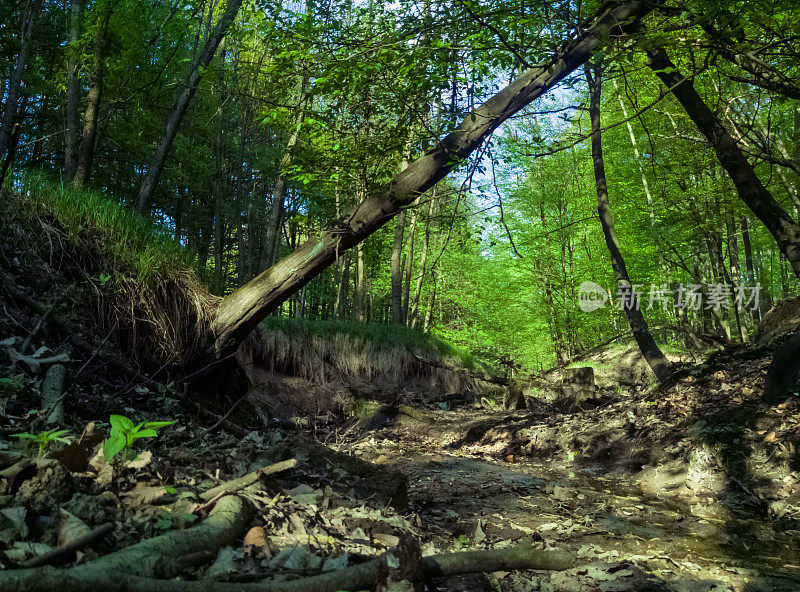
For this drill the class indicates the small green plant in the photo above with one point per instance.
(12, 385)
(45, 440)
(124, 433)
(463, 542)
(102, 279)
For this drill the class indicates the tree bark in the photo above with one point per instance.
(7, 123)
(83, 167)
(180, 107)
(655, 358)
(220, 182)
(412, 320)
(397, 269)
(240, 312)
(72, 118)
(750, 188)
(276, 208)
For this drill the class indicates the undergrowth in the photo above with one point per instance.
(387, 336)
(394, 356)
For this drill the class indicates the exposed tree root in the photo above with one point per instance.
(112, 577)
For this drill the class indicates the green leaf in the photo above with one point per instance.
(145, 434)
(122, 423)
(112, 446)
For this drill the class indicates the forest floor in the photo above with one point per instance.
(693, 487)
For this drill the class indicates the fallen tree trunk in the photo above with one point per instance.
(240, 312)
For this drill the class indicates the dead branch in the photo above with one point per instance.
(247, 480)
(61, 555)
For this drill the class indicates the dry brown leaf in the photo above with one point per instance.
(255, 542)
(71, 528)
(141, 461)
(144, 494)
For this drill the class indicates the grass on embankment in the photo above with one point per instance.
(141, 284)
(390, 354)
(131, 243)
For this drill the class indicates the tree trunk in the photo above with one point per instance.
(412, 231)
(736, 280)
(275, 214)
(83, 168)
(412, 321)
(751, 191)
(361, 285)
(656, 359)
(180, 107)
(72, 118)
(241, 311)
(220, 182)
(397, 269)
(7, 122)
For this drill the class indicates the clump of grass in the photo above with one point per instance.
(143, 282)
(131, 240)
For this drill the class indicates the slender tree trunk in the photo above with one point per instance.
(412, 321)
(736, 280)
(89, 137)
(361, 285)
(396, 264)
(655, 358)
(275, 217)
(412, 232)
(397, 269)
(7, 122)
(178, 111)
(220, 182)
(751, 191)
(72, 117)
(240, 312)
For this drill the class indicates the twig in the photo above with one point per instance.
(96, 350)
(59, 555)
(247, 480)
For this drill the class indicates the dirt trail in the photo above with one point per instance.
(626, 539)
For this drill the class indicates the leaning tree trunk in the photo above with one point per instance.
(180, 107)
(655, 358)
(240, 312)
(750, 188)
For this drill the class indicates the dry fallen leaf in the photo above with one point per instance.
(255, 542)
(144, 494)
(71, 528)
